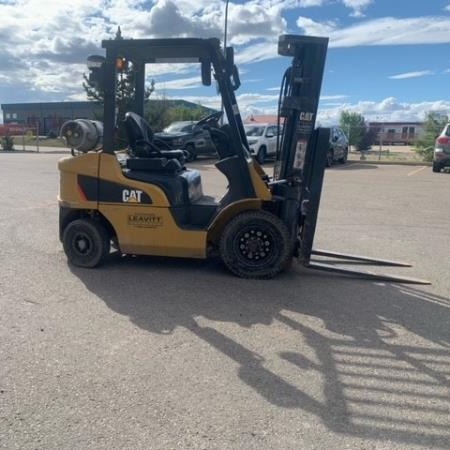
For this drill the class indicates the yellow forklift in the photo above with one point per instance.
(150, 203)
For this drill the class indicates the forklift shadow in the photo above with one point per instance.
(378, 353)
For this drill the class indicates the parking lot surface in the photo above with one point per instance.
(156, 353)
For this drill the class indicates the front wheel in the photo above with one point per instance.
(330, 158)
(261, 155)
(344, 158)
(255, 244)
(86, 243)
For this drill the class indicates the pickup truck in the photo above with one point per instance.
(188, 136)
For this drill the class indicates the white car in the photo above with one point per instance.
(262, 139)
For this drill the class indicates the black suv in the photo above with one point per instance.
(189, 136)
(338, 149)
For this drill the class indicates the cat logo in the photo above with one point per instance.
(131, 196)
(306, 116)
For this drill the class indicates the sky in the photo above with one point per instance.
(388, 60)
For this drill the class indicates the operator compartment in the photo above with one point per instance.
(164, 168)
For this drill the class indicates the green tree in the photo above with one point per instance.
(7, 143)
(433, 125)
(158, 114)
(125, 91)
(358, 133)
(162, 112)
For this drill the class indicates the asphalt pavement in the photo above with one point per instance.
(158, 353)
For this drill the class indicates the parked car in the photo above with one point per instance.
(441, 157)
(262, 140)
(188, 136)
(338, 151)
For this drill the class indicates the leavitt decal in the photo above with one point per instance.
(145, 220)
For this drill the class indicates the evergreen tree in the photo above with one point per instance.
(433, 125)
(125, 90)
(354, 126)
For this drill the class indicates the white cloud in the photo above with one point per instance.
(248, 21)
(383, 31)
(182, 83)
(309, 3)
(316, 28)
(447, 8)
(333, 97)
(357, 6)
(403, 76)
(388, 109)
(257, 52)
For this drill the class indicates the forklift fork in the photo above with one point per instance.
(314, 174)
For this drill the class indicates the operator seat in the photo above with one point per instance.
(162, 168)
(140, 139)
(145, 154)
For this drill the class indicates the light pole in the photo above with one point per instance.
(225, 27)
(380, 137)
(225, 32)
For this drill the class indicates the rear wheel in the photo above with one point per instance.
(86, 243)
(261, 155)
(256, 244)
(436, 167)
(190, 153)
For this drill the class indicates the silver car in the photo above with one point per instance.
(338, 147)
(262, 140)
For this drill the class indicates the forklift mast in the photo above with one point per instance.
(299, 100)
(300, 160)
(301, 157)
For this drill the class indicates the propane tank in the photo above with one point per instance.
(82, 134)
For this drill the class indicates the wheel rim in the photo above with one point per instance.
(254, 245)
(82, 244)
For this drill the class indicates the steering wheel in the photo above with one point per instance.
(210, 120)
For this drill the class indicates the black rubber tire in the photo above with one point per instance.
(436, 168)
(261, 155)
(86, 243)
(343, 160)
(330, 158)
(190, 153)
(255, 244)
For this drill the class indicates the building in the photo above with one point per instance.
(392, 133)
(47, 118)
